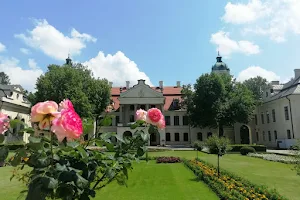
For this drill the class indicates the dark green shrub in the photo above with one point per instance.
(258, 148)
(247, 149)
(198, 145)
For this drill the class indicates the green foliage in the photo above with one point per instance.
(217, 101)
(5, 80)
(218, 145)
(256, 86)
(237, 147)
(198, 145)
(245, 150)
(69, 170)
(89, 96)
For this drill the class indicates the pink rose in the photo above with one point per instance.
(141, 115)
(68, 125)
(4, 123)
(154, 115)
(44, 113)
(161, 124)
(66, 104)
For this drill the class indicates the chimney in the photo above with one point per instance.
(178, 84)
(127, 85)
(110, 84)
(297, 73)
(275, 83)
(161, 84)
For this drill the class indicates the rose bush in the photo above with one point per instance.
(63, 166)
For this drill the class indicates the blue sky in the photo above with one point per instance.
(155, 40)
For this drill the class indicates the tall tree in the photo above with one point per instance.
(90, 96)
(218, 101)
(256, 86)
(4, 78)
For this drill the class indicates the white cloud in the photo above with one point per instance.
(273, 18)
(32, 64)
(116, 68)
(254, 71)
(2, 47)
(54, 43)
(25, 51)
(227, 46)
(25, 77)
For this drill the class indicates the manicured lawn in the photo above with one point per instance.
(272, 174)
(151, 181)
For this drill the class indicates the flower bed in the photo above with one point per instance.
(168, 159)
(228, 185)
(275, 157)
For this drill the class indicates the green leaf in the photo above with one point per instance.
(82, 152)
(51, 183)
(81, 182)
(151, 130)
(3, 153)
(106, 121)
(134, 126)
(28, 130)
(34, 139)
(109, 146)
(145, 136)
(119, 138)
(15, 122)
(73, 144)
(99, 143)
(140, 152)
(2, 138)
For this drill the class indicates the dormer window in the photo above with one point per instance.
(175, 104)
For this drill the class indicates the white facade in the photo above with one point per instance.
(16, 106)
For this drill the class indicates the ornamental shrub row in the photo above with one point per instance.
(228, 185)
(258, 148)
(168, 159)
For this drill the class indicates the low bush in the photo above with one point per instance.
(237, 147)
(228, 185)
(245, 150)
(168, 159)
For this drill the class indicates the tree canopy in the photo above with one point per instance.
(89, 95)
(256, 86)
(4, 78)
(217, 101)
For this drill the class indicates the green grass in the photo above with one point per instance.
(272, 174)
(151, 181)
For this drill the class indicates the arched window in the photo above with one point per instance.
(209, 134)
(127, 134)
(177, 137)
(199, 136)
(185, 137)
(168, 137)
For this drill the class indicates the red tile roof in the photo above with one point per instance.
(169, 93)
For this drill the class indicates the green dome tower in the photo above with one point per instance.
(220, 66)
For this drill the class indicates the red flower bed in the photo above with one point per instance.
(168, 159)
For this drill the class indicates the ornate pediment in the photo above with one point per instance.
(141, 90)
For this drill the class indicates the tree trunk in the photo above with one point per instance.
(218, 166)
(221, 130)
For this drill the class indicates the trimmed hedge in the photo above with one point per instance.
(258, 148)
(245, 150)
(228, 185)
(165, 159)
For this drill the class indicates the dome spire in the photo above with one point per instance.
(68, 60)
(219, 58)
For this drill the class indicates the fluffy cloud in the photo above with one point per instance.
(273, 18)
(2, 47)
(25, 51)
(116, 68)
(254, 71)
(54, 43)
(227, 46)
(25, 77)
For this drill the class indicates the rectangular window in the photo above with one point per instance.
(117, 120)
(262, 118)
(176, 137)
(168, 137)
(273, 115)
(255, 119)
(264, 136)
(257, 137)
(152, 106)
(131, 118)
(286, 113)
(275, 135)
(131, 107)
(268, 117)
(269, 134)
(185, 120)
(168, 120)
(185, 137)
(176, 120)
(289, 134)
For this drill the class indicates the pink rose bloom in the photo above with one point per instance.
(154, 115)
(68, 125)
(44, 113)
(4, 123)
(161, 124)
(66, 104)
(141, 115)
